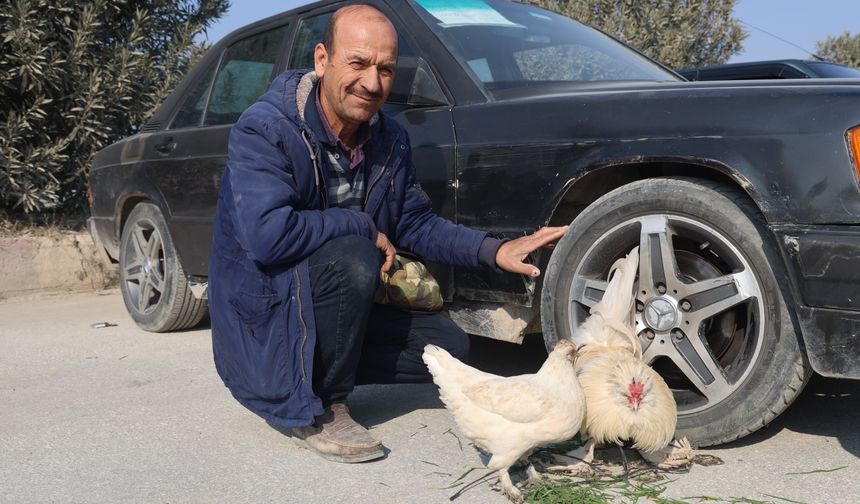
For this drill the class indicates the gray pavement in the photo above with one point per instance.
(121, 415)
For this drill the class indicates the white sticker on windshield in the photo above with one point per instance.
(465, 12)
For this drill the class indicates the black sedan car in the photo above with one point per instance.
(773, 69)
(743, 197)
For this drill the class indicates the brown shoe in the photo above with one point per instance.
(337, 437)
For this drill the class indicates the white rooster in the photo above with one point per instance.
(625, 398)
(510, 417)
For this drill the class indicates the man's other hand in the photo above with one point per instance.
(511, 254)
(387, 250)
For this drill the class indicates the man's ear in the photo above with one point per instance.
(320, 59)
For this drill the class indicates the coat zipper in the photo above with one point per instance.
(302, 320)
(318, 174)
(324, 184)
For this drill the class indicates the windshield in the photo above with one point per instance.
(833, 71)
(509, 45)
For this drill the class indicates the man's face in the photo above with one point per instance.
(358, 73)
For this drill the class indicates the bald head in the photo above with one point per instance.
(355, 64)
(358, 13)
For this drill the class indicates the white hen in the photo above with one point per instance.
(510, 417)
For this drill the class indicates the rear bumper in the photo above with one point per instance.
(96, 227)
(823, 264)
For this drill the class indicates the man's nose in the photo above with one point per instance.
(370, 80)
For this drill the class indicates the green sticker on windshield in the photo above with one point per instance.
(464, 12)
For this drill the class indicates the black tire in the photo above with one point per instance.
(724, 302)
(153, 284)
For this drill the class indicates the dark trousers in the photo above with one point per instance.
(359, 342)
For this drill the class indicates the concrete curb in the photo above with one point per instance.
(58, 261)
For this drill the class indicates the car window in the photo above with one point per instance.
(191, 112)
(309, 34)
(244, 74)
(508, 45)
(832, 70)
(789, 72)
(540, 64)
(414, 82)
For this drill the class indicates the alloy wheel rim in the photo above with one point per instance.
(699, 306)
(145, 266)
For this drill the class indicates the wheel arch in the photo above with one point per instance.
(126, 204)
(582, 190)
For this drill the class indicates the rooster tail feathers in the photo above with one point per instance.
(615, 310)
(617, 301)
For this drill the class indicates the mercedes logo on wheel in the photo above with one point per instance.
(660, 314)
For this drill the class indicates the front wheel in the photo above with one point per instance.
(153, 283)
(711, 315)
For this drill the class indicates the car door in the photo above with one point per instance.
(193, 149)
(417, 102)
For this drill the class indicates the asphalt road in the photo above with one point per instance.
(120, 415)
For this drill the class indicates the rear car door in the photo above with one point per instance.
(193, 149)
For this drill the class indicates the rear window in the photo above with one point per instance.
(831, 70)
(244, 75)
(191, 112)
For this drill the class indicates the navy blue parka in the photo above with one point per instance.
(272, 215)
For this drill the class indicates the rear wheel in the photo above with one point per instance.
(711, 315)
(153, 283)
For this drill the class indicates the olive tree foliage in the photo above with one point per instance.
(677, 33)
(843, 49)
(76, 76)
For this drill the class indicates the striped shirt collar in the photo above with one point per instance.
(356, 154)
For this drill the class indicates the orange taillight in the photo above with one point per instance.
(854, 145)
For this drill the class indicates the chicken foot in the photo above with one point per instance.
(585, 454)
(533, 474)
(508, 488)
(679, 453)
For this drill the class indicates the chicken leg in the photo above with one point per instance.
(533, 474)
(508, 488)
(585, 455)
(679, 453)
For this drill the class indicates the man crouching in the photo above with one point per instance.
(319, 189)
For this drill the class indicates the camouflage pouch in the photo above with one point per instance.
(408, 285)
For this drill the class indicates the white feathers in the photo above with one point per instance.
(509, 417)
(625, 398)
(611, 320)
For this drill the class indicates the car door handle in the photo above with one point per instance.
(166, 147)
